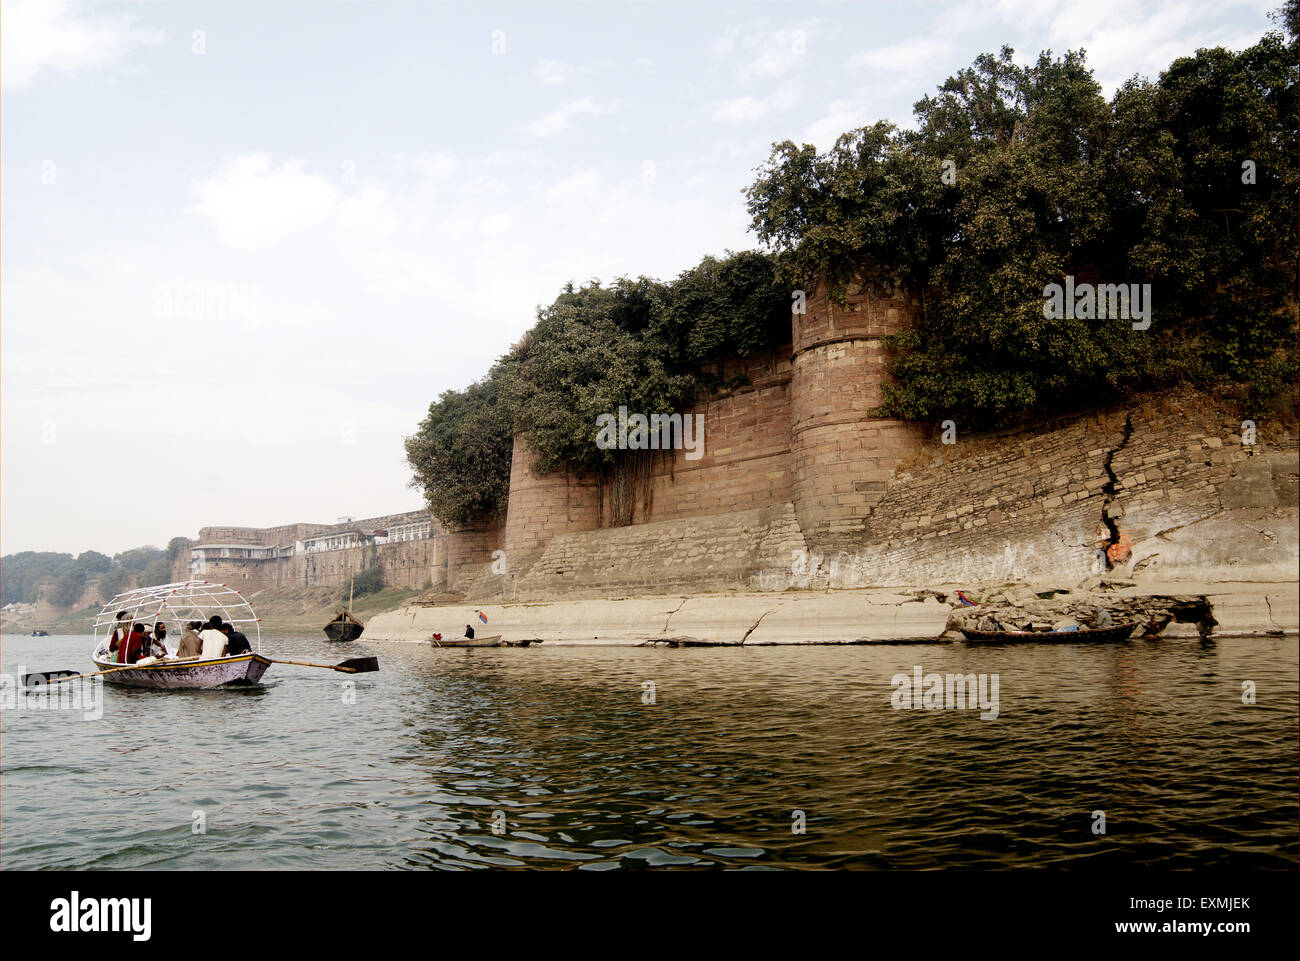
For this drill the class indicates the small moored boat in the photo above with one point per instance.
(493, 640)
(345, 627)
(1119, 632)
(40, 633)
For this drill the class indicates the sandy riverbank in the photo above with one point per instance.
(798, 617)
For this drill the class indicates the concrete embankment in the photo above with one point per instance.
(795, 617)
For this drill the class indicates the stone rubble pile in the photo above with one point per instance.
(1022, 609)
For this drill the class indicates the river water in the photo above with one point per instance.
(552, 758)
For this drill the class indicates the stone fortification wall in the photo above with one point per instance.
(843, 457)
(1171, 472)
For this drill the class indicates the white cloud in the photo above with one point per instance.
(52, 35)
(1123, 39)
(553, 73)
(368, 212)
(580, 183)
(253, 205)
(557, 121)
(497, 224)
(762, 54)
(906, 55)
(742, 110)
(841, 115)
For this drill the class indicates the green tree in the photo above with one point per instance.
(93, 562)
(176, 545)
(461, 452)
(113, 582)
(642, 344)
(158, 571)
(21, 574)
(1018, 176)
(68, 587)
(370, 580)
(138, 558)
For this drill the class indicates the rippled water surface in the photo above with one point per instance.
(586, 775)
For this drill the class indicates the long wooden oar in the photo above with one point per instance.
(353, 665)
(55, 677)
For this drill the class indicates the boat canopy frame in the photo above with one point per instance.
(181, 602)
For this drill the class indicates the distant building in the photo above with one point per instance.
(253, 558)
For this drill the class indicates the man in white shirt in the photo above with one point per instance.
(214, 641)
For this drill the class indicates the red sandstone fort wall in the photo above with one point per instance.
(746, 442)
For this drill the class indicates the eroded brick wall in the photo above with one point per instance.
(842, 457)
(718, 551)
(746, 458)
(540, 507)
(1029, 504)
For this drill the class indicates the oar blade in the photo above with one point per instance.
(361, 665)
(36, 680)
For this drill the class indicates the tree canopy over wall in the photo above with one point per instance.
(1013, 178)
(1048, 178)
(639, 343)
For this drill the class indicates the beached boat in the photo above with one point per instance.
(1120, 632)
(493, 640)
(177, 604)
(345, 627)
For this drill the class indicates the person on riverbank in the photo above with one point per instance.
(236, 641)
(191, 644)
(214, 640)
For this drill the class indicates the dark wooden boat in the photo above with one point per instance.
(345, 627)
(1119, 632)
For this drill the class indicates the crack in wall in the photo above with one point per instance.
(1108, 489)
(756, 623)
(672, 612)
(1268, 604)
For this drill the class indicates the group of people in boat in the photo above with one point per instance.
(133, 643)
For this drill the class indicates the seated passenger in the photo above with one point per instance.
(120, 631)
(132, 648)
(214, 641)
(148, 647)
(191, 644)
(160, 639)
(236, 642)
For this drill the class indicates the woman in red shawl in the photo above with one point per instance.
(129, 650)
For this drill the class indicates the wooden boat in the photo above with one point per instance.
(493, 640)
(1119, 632)
(178, 604)
(345, 627)
(171, 674)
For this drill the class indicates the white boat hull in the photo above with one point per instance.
(492, 641)
(193, 673)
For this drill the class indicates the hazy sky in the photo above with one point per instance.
(245, 244)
